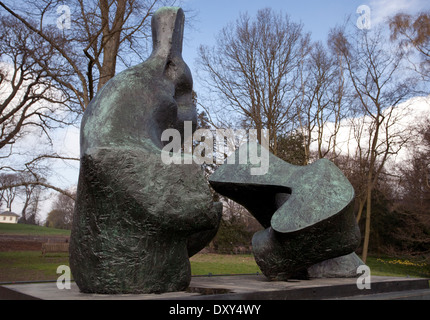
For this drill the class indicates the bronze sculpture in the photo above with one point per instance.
(307, 213)
(136, 219)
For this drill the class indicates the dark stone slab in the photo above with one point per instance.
(241, 287)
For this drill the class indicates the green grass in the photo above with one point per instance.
(399, 267)
(27, 229)
(203, 264)
(30, 265)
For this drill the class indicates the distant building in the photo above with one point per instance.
(8, 217)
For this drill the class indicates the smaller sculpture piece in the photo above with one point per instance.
(307, 213)
(138, 220)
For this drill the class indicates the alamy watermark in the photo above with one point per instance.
(364, 279)
(364, 21)
(64, 21)
(224, 139)
(63, 281)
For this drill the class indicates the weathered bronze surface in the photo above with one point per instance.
(307, 212)
(137, 220)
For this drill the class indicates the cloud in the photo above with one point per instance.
(383, 9)
(406, 120)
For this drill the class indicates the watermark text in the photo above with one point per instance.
(364, 21)
(63, 281)
(225, 141)
(364, 280)
(64, 21)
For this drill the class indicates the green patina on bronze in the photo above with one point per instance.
(307, 211)
(137, 221)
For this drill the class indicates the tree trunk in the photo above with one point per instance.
(360, 208)
(367, 228)
(370, 184)
(111, 40)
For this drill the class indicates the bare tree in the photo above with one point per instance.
(414, 32)
(29, 99)
(13, 186)
(253, 70)
(31, 102)
(76, 59)
(415, 177)
(31, 195)
(61, 214)
(375, 70)
(102, 33)
(8, 194)
(322, 107)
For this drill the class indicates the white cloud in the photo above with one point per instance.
(410, 116)
(382, 9)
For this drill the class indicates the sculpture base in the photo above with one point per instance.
(243, 287)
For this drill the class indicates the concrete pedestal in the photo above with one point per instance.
(244, 287)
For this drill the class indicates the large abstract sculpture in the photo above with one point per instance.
(307, 213)
(137, 220)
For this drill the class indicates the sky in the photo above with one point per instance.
(317, 16)
(210, 16)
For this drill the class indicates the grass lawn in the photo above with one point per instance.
(31, 266)
(395, 267)
(203, 264)
(31, 230)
